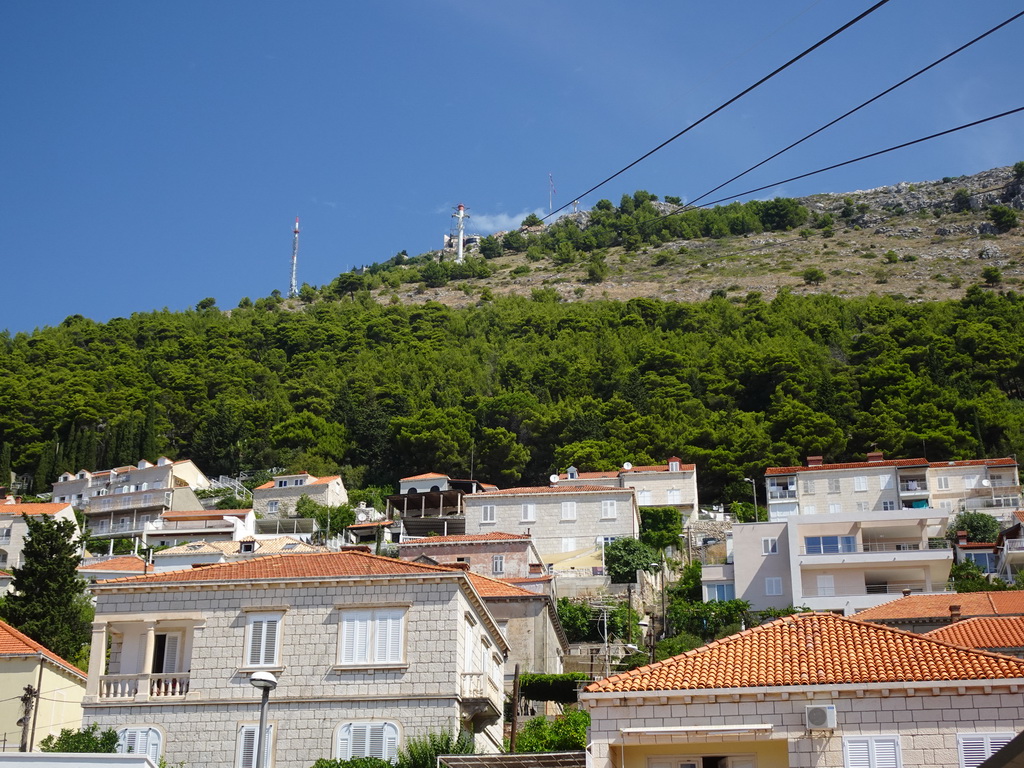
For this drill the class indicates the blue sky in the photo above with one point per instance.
(153, 154)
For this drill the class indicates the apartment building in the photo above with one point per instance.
(432, 504)
(14, 529)
(672, 484)
(277, 497)
(560, 519)
(367, 651)
(501, 555)
(119, 502)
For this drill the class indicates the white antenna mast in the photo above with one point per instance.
(293, 287)
(460, 216)
(551, 193)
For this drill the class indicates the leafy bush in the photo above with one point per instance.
(624, 557)
(813, 276)
(961, 200)
(992, 275)
(1003, 217)
(563, 734)
(89, 738)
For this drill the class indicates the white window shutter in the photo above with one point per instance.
(973, 751)
(360, 739)
(247, 749)
(389, 636)
(171, 654)
(256, 629)
(390, 742)
(355, 635)
(858, 753)
(887, 752)
(375, 745)
(344, 746)
(270, 641)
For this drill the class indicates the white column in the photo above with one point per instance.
(147, 662)
(97, 658)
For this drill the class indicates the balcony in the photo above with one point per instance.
(873, 546)
(481, 697)
(127, 687)
(774, 494)
(913, 487)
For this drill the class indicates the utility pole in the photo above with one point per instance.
(515, 710)
(460, 216)
(293, 286)
(27, 701)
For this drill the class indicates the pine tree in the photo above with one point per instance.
(48, 602)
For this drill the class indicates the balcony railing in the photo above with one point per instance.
(879, 589)
(477, 685)
(914, 486)
(872, 546)
(1013, 545)
(781, 493)
(182, 525)
(161, 686)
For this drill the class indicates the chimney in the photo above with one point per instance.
(814, 461)
(961, 538)
(874, 457)
(954, 612)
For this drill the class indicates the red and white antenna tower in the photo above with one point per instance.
(293, 287)
(460, 216)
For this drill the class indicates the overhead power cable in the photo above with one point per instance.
(864, 157)
(735, 98)
(902, 82)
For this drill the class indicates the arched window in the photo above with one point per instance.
(354, 740)
(143, 740)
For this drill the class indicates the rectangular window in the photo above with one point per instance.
(356, 740)
(827, 545)
(568, 510)
(888, 506)
(721, 592)
(946, 505)
(835, 509)
(643, 498)
(808, 509)
(273, 507)
(282, 483)
(860, 483)
(833, 485)
(247, 746)
(971, 481)
(529, 514)
(608, 509)
(372, 637)
(975, 748)
(871, 752)
(942, 483)
(498, 565)
(808, 486)
(984, 560)
(569, 544)
(862, 506)
(487, 513)
(263, 632)
(300, 481)
(769, 546)
(885, 482)
(5, 535)
(773, 585)
(675, 496)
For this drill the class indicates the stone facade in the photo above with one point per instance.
(762, 728)
(277, 498)
(450, 645)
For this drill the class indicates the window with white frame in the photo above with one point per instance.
(674, 496)
(497, 564)
(529, 513)
(773, 585)
(143, 740)
(355, 740)
(975, 748)
(860, 483)
(835, 509)
(263, 639)
(862, 506)
(885, 482)
(372, 636)
(946, 505)
(487, 513)
(568, 510)
(871, 752)
(942, 483)
(5, 535)
(247, 746)
(569, 544)
(643, 498)
(769, 545)
(273, 507)
(972, 481)
(808, 486)
(720, 592)
(888, 506)
(609, 509)
(282, 483)
(833, 485)
(809, 509)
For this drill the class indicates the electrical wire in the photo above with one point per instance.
(873, 99)
(735, 98)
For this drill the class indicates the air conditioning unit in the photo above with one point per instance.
(820, 717)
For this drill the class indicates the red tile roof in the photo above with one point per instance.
(424, 476)
(291, 566)
(377, 524)
(815, 649)
(33, 509)
(937, 606)
(468, 538)
(488, 587)
(552, 489)
(123, 563)
(15, 643)
(1004, 462)
(589, 475)
(983, 632)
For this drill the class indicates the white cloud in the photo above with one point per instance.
(486, 223)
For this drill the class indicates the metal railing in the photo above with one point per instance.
(782, 493)
(879, 589)
(914, 486)
(871, 546)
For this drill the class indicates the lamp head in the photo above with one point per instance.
(263, 680)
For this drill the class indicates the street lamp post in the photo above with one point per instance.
(265, 682)
(753, 484)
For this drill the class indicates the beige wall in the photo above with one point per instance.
(533, 639)
(60, 699)
(518, 555)
(313, 696)
(15, 522)
(927, 723)
(331, 494)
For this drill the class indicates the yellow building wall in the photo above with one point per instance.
(60, 699)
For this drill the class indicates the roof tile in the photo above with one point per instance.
(937, 606)
(15, 643)
(983, 632)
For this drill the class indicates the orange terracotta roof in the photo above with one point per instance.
(264, 546)
(983, 632)
(590, 475)
(297, 566)
(488, 587)
(33, 509)
(467, 538)
(15, 643)
(123, 563)
(324, 480)
(1003, 462)
(424, 476)
(1019, 514)
(815, 649)
(264, 486)
(849, 465)
(377, 524)
(937, 606)
(660, 468)
(551, 489)
(977, 545)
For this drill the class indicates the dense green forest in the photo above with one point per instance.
(514, 389)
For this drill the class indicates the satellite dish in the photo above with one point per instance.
(553, 478)
(361, 517)
(627, 465)
(986, 482)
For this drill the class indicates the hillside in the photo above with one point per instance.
(908, 239)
